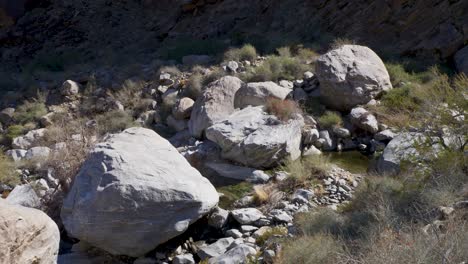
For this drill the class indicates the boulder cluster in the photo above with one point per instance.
(144, 196)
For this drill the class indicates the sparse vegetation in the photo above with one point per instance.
(280, 231)
(283, 109)
(30, 111)
(330, 119)
(232, 193)
(8, 174)
(246, 52)
(339, 42)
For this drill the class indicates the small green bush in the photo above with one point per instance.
(246, 52)
(114, 121)
(30, 111)
(15, 131)
(330, 119)
(276, 68)
(275, 231)
(8, 174)
(401, 99)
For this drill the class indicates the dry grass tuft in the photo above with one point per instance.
(283, 109)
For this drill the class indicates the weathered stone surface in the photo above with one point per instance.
(28, 140)
(183, 108)
(24, 195)
(256, 94)
(246, 216)
(218, 218)
(215, 249)
(36, 153)
(364, 120)
(385, 135)
(137, 183)
(256, 139)
(70, 88)
(6, 115)
(238, 172)
(216, 103)
(184, 259)
(351, 75)
(27, 236)
(16, 154)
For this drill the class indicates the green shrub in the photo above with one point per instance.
(284, 52)
(330, 119)
(8, 174)
(401, 99)
(246, 52)
(339, 42)
(233, 193)
(194, 85)
(30, 111)
(114, 121)
(130, 95)
(276, 68)
(178, 48)
(316, 249)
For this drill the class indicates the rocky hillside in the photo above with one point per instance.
(59, 35)
(140, 132)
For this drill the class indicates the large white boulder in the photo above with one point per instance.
(256, 94)
(134, 192)
(216, 103)
(255, 139)
(27, 236)
(351, 75)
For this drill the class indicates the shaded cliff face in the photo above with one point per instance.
(109, 29)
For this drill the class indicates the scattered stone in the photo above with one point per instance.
(183, 259)
(341, 132)
(233, 233)
(218, 218)
(238, 254)
(286, 84)
(385, 135)
(24, 195)
(215, 249)
(28, 140)
(70, 88)
(310, 135)
(238, 172)
(311, 151)
(327, 143)
(248, 228)
(255, 139)
(6, 115)
(16, 154)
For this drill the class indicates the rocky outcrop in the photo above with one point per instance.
(255, 139)
(24, 195)
(137, 183)
(27, 236)
(351, 75)
(29, 140)
(216, 103)
(255, 94)
(364, 120)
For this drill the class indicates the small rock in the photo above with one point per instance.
(361, 118)
(246, 216)
(183, 259)
(233, 233)
(70, 88)
(341, 132)
(248, 228)
(215, 249)
(183, 108)
(218, 218)
(24, 195)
